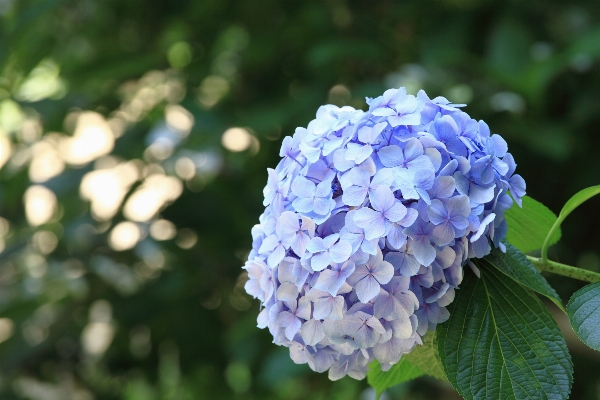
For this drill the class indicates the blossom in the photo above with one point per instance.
(450, 218)
(411, 157)
(386, 209)
(370, 218)
(369, 277)
(297, 233)
(311, 197)
(327, 250)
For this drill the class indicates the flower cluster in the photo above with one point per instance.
(369, 220)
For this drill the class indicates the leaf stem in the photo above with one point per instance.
(549, 237)
(565, 270)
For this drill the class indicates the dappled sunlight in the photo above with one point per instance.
(212, 89)
(185, 168)
(40, 204)
(236, 139)
(124, 236)
(43, 82)
(11, 116)
(7, 328)
(92, 138)
(155, 192)
(46, 162)
(98, 333)
(179, 119)
(106, 188)
(5, 148)
(162, 229)
(44, 241)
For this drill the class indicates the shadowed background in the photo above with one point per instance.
(134, 141)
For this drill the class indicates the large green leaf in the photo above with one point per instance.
(515, 265)
(571, 204)
(528, 226)
(584, 313)
(502, 343)
(422, 360)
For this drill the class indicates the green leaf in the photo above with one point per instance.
(402, 372)
(528, 226)
(574, 202)
(584, 312)
(422, 360)
(515, 265)
(427, 358)
(502, 343)
(579, 198)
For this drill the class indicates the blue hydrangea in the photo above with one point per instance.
(370, 218)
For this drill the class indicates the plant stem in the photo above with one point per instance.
(565, 270)
(549, 236)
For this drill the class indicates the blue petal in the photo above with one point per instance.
(423, 251)
(371, 221)
(367, 289)
(390, 156)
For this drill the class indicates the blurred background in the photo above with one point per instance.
(134, 141)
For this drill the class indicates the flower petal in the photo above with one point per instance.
(312, 332)
(371, 221)
(367, 289)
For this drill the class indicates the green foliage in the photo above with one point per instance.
(575, 201)
(516, 266)
(529, 71)
(423, 360)
(501, 342)
(402, 372)
(584, 313)
(528, 226)
(427, 358)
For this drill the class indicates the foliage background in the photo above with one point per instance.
(168, 318)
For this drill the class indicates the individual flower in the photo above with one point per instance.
(327, 250)
(386, 209)
(369, 277)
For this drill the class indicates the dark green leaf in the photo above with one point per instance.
(528, 226)
(501, 342)
(515, 265)
(584, 313)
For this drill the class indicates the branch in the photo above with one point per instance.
(565, 270)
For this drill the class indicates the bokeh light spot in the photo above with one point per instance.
(179, 119)
(124, 236)
(7, 328)
(92, 138)
(179, 54)
(162, 229)
(186, 238)
(40, 204)
(236, 139)
(156, 191)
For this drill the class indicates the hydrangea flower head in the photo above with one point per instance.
(370, 219)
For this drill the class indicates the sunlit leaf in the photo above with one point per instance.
(571, 204)
(427, 358)
(423, 360)
(402, 372)
(529, 225)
